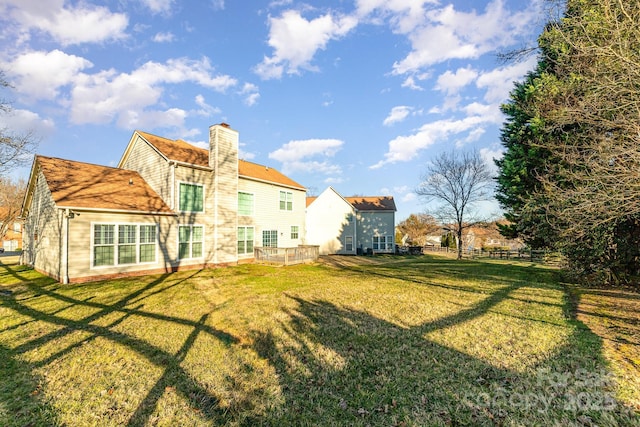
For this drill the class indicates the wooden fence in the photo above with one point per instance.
(541, 256)
(287, 256)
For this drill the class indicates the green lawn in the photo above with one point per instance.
(385, 341)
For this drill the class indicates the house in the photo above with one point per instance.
(351, 225)
(12, 239)
(167, 206)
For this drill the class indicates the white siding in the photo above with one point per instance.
(268, 216)
(328, 223)
(152, 167)
(41, 237)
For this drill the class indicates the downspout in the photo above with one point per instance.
(355, 230)
(64, 259)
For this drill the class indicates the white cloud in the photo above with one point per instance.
(68, 24)
(40, 75)
(298, 155)
(158, 6)
(451, 83)
(296, 40)
(101, 97)
(499, 82)
(489, 154)
(137, 119)
(405, 148)
(251, 94)
(205, 110)
(447, 33)
(164, 37)
(24, 121)
(397, 114)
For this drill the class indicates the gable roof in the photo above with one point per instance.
(371, 203)
(84, 185)
(376, 203)
(183, 152)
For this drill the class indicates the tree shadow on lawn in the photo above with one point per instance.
(340, 366)
(173, 376)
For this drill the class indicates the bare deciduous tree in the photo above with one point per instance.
(15, 148)
(11, 195)
(457, 180)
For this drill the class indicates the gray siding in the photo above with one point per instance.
(372, 223)
(42, 229)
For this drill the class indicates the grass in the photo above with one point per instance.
(347, 341)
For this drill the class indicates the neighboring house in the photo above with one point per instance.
(168, 205)
(12, 239)
(351, 225)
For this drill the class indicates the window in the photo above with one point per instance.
(381, 243)
(348, 243)
(294, 231)
(127, 244)
(191, 198)
(190, 241)
(103, 244)
(147, 243)
(16, 227)
(270, 238)
(245, 204)
(133, 244)
(245, 240)
(286, 201)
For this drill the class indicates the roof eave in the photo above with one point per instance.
(107, 210)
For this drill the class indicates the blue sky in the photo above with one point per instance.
(356, 94)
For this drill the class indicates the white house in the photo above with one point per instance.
(351, 225)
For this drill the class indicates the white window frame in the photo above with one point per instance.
(382, 240)
(288, 200)
(246, 240)
(253, 203)
(272, 233)
(190, 242)
(195, 184)
(115, 244)
(296, 232)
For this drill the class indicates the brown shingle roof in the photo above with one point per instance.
(184, 152)
(178, 150)
(265, 173)
(84, 185)
(378, 203)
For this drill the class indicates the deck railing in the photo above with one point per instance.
(287, 256)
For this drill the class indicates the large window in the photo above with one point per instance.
(103, 247)
(382, 243)
(121, 244)
(245, 204)
(147, 243)
(286, 201)
(191, 198)
(190, 241)
(127, 244)
(245, 240)
(270, 238)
